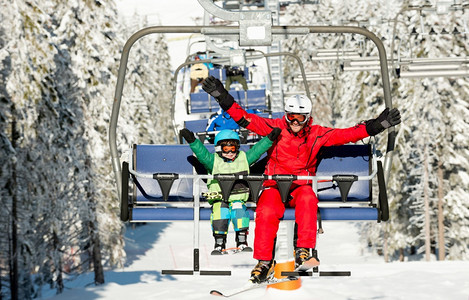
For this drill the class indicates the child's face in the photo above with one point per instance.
(229, 155)
(229, 149)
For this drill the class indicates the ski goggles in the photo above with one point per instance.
(300, 118)
(229, 149)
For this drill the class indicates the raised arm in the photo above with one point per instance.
(215, 88)
(203, 155)
(259, 125)
(386, 119)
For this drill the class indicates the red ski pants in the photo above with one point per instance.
(270, 209)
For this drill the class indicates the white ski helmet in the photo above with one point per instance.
(299, 104)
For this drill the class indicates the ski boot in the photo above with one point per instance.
(304, 260)
(263, 271)
(220, 244)
(241, 241)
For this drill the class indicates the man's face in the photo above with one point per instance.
(296, 127)
(296, 121)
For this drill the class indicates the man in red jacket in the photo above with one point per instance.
(294, 152)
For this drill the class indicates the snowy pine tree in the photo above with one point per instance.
(145, 114)
(434, 114)
(58, 62)
(435, 111)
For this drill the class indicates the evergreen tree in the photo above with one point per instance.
(435, 112)
(58, 62)
(434, 116)
(147, 92)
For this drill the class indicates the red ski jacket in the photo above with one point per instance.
(295, 153)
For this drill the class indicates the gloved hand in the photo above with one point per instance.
(273, 135)
(385, 120)
(215, 88)
(187, 135)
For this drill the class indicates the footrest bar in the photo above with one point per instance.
(216, 273)
(177, 272)
(296, 273)
(202, 272)
(335, 273)
(321, 273)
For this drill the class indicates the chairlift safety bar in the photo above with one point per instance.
(247, 177)
(315, 179)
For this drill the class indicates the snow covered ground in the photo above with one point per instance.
(158, 246)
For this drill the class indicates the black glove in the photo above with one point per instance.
(273, 135)
(187, 135)
(385, 120)
(215, 88)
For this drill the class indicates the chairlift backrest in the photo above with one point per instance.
(150, 159)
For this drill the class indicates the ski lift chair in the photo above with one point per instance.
(152, 183)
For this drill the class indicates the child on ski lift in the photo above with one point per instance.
(228, 159)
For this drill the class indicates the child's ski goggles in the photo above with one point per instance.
(229, 149)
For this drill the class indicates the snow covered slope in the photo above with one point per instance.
(157, 246)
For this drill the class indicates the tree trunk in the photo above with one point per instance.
(426, 204)
(96, 252)
(95, 242)
(59, 266)
(441, 226)
(14, 284)
(385, 247)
